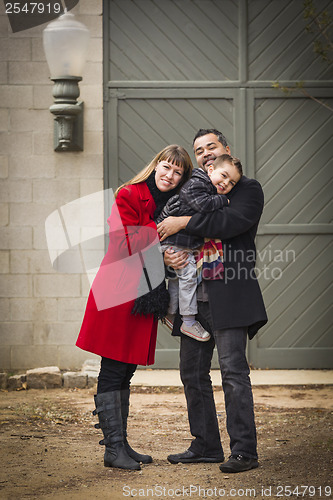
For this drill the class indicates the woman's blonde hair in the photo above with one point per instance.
(173, 154)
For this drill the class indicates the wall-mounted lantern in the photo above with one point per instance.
(65, 44)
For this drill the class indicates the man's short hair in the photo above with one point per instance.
(205, 131)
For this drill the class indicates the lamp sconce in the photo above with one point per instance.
(65, 44)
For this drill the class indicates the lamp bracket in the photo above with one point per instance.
(62, 123)
(68, 121)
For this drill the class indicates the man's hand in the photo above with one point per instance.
(172, 225)
(175, 260)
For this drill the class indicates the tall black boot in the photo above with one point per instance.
(145, 459)
(108, 409)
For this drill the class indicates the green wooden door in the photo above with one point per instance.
(292, 158)
(174, 66)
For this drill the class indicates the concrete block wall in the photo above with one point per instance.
(41, 309)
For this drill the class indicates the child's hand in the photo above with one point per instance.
(175, 260)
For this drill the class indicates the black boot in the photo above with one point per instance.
(108, 409)
(145, 459)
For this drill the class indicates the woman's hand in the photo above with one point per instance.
(172, 225)
(175, 260)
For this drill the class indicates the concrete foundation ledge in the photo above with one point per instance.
(51, 377)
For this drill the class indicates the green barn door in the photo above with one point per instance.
(164, 64)
(174, 66)
(292, 154)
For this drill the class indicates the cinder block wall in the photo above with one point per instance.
(40, 309)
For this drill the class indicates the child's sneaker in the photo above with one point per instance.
(168, 320)
(196, 331)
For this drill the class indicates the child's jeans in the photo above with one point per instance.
(183, 288)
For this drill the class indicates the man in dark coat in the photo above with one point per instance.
(231, 309)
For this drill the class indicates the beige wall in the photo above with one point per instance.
(40, 309)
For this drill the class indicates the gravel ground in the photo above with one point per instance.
(50, 447)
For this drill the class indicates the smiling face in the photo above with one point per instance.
(224, 177)
(167, 175)
(207, 148)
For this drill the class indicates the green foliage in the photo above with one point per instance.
(319, 24)
(288, 90)
(299, 86)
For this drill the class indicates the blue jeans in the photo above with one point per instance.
(195, 364)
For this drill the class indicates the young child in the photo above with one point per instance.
(204, 192)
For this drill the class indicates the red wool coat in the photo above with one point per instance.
(108, 328)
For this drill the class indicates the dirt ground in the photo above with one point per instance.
(49, 447)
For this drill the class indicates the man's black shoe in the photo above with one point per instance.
(238, 463)
(189, 457)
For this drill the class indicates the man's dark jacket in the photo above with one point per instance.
(198, 195)
(236, 300)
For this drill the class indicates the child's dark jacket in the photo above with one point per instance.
(198, 195)
(235, 301)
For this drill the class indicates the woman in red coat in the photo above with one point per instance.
(128, 296)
